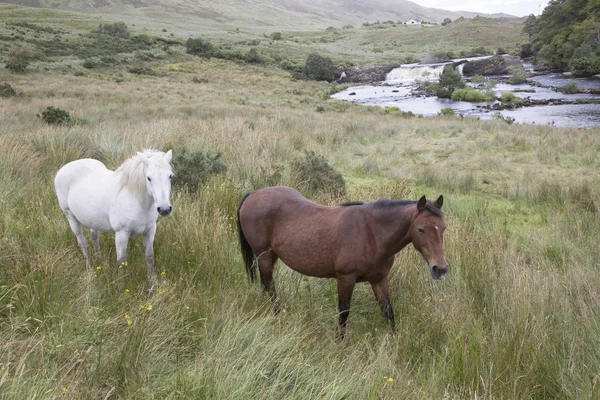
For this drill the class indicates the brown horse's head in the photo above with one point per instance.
(427, 232)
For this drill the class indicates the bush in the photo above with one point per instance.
(276, 36)
(477, 79)
(141, 70)
(7, 91)
(117, 29)
(517, 75)
(199, 47)
(18, 59)
(447, 111)
(318, 68)
(253, 57)
(450, 80)
(570, 88)
(469, 95)
(89, 64)
(55, 116)
(510, 98)
(315, 176)
(193, 168)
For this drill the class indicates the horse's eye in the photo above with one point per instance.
(421, 230)
(149, 180)
(171, 176)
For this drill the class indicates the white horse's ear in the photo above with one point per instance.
(143, 158)
(169, 156)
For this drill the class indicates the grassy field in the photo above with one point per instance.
(517, 316)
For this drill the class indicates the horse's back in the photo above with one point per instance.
(300, 232)
(77, 170)
(82, 190)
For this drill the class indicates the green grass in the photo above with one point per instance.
(517, 316)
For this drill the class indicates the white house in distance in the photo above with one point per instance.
(413, 21)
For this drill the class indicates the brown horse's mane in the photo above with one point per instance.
(386, 203)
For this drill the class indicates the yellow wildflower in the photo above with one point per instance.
(149, 308)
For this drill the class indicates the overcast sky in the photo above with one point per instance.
(519, 8)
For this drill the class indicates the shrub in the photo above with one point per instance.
(141, 70)
(446, 21)
(199, 80)
(477, 79)
(253, 57)
(570, 88)
(499, 116)
(18, 59)
(315, 176)
(447, 111)
(450, 80)
(469, 95)
(89, 64)
(117, 29)
(55, 116)
(510, 98)
(517, 75)
(193, 168)
(276, 36)
(7, 91)
(318, 68)
(199, 47)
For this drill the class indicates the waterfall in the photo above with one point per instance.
(411, 73)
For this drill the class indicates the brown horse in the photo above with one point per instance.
(354, 242)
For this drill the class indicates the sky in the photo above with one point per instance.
(518, 8)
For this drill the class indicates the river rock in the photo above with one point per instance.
(366, 73)
(495, 65)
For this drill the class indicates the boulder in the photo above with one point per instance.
(495, 65)
(364, 74)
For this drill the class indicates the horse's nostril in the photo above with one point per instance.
(158, 209)
(170, 208)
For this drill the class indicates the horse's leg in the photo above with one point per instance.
(345, 284)
(380, 289)
(78, 231)
(266, 260)
(95, 239)
(121, 239)
(148, 240)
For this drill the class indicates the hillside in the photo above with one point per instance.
(189, 15)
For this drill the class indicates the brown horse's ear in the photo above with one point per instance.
(422, 203)
(438, 203)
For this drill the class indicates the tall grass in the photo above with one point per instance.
(517, 316)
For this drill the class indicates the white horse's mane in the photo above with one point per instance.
(133, 171)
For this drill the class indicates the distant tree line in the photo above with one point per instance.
(567, 36)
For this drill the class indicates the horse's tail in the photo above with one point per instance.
(247, 252)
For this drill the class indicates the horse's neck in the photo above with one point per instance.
(395, 221)
(141, 198)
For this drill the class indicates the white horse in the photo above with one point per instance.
(126, 201)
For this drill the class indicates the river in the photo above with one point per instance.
(398, 88)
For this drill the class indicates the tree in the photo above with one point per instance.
(564, 27)
(446, 21)
(318, 68)
(450, 80)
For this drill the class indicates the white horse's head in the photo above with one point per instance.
(158, 178)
